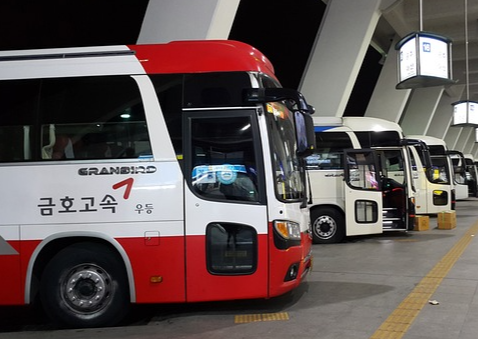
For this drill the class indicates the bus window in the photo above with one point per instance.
(169, 90)
(329, 150)
(19, 99)
(392, 165)
(215, 89)
(223, 160)
(92, 118)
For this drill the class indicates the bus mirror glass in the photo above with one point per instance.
(305, 134)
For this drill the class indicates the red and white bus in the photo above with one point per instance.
(149, 174)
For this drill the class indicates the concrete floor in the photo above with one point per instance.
(367, 287)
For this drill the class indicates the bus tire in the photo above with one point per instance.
(85, 285)
(328, 225)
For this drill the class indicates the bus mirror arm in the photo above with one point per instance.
(263, 95)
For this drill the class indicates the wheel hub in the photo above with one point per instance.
(325, 227)
(86, 288)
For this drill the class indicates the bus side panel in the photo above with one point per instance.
(161, 258)
(11, 291)
(204, 286)
(141, 210)
(327, 187)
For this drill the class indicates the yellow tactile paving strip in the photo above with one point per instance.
(250, 318)
(397, 324)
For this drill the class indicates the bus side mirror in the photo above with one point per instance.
(305, 134)
(304, 125)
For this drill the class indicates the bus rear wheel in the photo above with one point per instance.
(85, 285)
(328, 225)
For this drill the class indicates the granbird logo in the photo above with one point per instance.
(117, 170)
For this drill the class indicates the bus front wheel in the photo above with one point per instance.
(328, 225)
(85, 285)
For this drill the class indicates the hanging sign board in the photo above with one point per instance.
(465, 113)
(424, 61)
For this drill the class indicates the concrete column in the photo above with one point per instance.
(469, 140)
(462, 139)
(443, 117)
(474, 151)
(387, 102)
(420, 110)
(338, 53)
(452, 136)
(168, 20)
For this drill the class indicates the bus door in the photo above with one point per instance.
(226, 216)
(397, 188)
(459, 174)
(363, 196)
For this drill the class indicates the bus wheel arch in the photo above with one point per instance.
(328, 224)
(85, 285)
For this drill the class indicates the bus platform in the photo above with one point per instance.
(415, 285)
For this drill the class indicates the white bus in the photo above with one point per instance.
(438, 149)
(460, 181)
(149, 174)
(360, 177)
(432, 177)
(471, 175)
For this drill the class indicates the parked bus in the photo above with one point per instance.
(360, 176)
(164, 173)
(438, 149)
(459, 174)
(471, 175)
(432, 177)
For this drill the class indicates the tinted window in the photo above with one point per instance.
(169, 89)
(329, 150)
(19, 102)
(92, 118)
(224, 165)
(375, 139)
(215, 89)
(72, 118)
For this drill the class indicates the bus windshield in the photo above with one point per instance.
(440, 170)
(289, 185)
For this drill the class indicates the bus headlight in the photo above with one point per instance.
(287, 229)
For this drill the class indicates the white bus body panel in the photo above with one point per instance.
(86, 198)
(69, 67)
(327, 187)
(424, 189)
(355, 228)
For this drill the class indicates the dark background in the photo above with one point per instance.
(283, 30)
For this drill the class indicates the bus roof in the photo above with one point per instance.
(174, 57)
(429, 140)
(358, 124)
(202, 56)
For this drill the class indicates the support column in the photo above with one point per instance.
(452, 136)
(421, 109)
(469, 139)
(440, 126)
(338, 53)
(387, 102)
(443, 117)
(462, 139)
(474, 151)
(169, 20)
